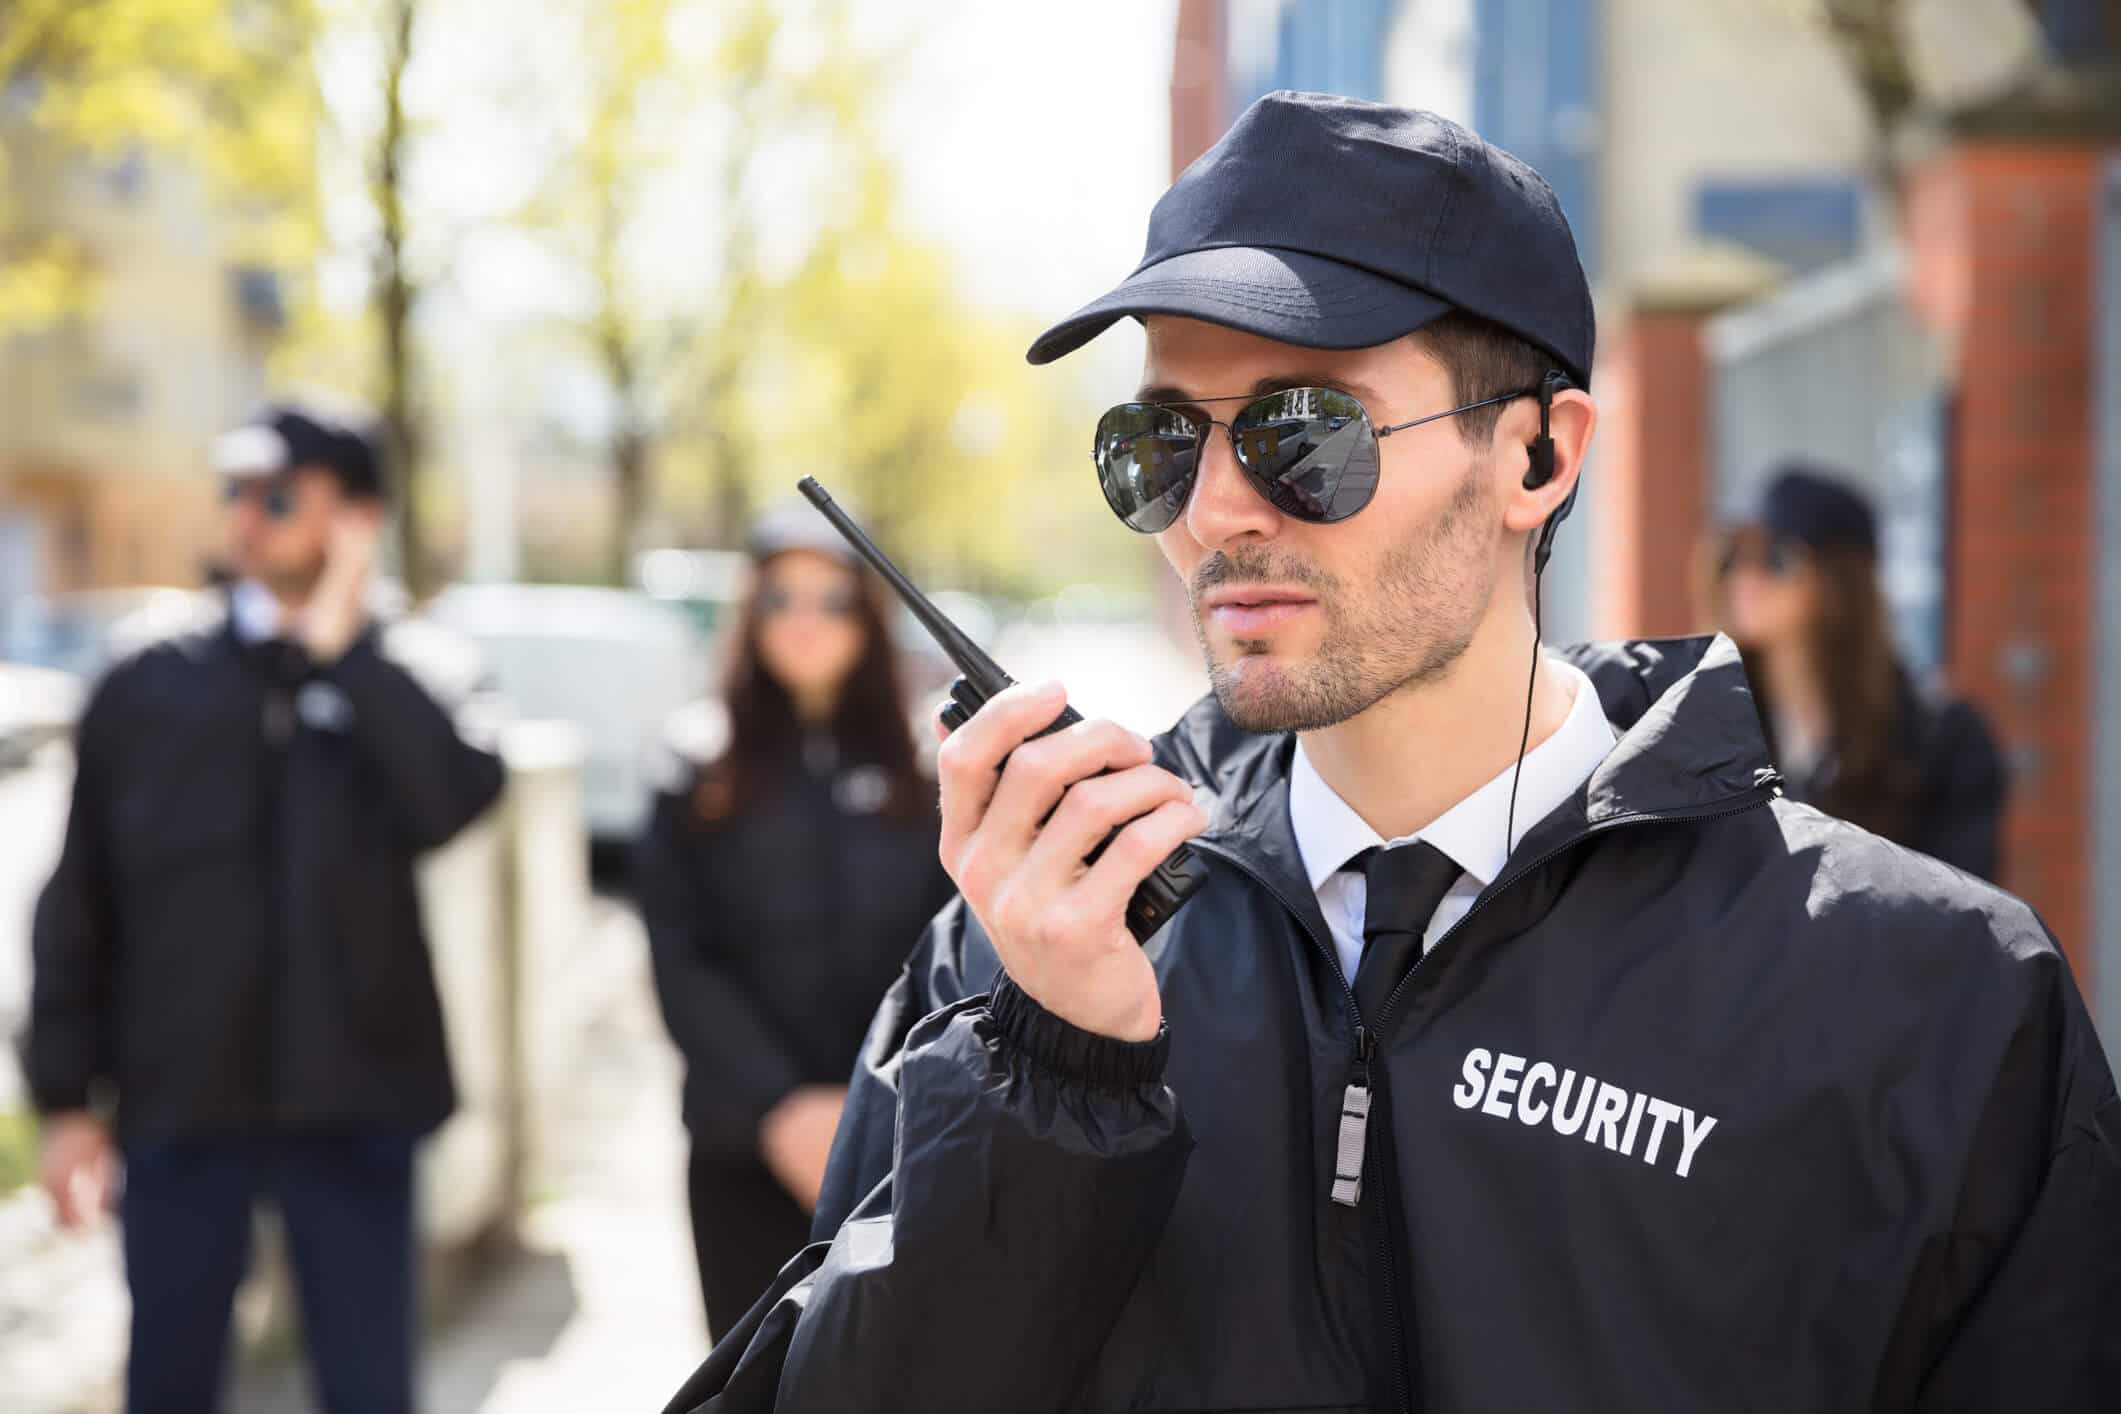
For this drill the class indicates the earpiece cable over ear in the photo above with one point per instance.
(1537, 474)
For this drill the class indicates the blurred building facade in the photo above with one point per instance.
(1937, 308)
(105, 418)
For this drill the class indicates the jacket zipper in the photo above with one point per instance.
(1352, 1146)
(1355, 1106)
(1355, 1099)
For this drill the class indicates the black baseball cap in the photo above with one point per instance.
(1337, 224)
(1813, 506)
(283, 436)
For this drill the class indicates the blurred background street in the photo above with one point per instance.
(615, 273)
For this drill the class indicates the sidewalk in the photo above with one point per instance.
(601, 1310)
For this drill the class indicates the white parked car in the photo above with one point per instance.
(614, 662)
(37, 706)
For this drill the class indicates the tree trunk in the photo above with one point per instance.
(629, 478)
(394, 300)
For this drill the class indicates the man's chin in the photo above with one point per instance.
(1260, 693)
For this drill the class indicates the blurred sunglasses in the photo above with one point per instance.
(1775, 558)
(833, 603)
(273, 495)
(1311, 452)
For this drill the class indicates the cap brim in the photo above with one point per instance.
(1289, 296)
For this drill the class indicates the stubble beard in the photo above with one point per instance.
(1414, 618)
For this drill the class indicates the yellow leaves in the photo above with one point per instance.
(223, 84)
(43, 286)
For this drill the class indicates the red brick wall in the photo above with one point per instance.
(2003, 260)
(1650, 474)
(1200, 98)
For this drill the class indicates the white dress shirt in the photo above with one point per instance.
(1329, 833)
(255, 613)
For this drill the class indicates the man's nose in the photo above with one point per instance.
(245, 517)
(1225, 507)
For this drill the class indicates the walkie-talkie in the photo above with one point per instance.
(1173, 881)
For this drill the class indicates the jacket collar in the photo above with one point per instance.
(1689, 741)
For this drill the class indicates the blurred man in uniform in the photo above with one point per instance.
(233, 993)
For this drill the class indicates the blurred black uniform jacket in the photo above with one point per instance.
(1949, 784)
(775, 934)
(232, 941)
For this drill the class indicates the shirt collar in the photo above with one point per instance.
(1329, 833)
(254, 612)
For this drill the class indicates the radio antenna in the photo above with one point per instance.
(969, 657)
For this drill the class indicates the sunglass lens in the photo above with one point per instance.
(1146, 459)
(1753, 551)
(1310, 452)
(275, 498)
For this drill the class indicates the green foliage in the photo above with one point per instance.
(18, 1149)
(800, 328)
(922, 410)
(841, 348)
(208, 79)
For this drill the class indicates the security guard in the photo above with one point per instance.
(1524, 1048)
(232, 990)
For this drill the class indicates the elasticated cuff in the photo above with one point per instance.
(1066, 1049)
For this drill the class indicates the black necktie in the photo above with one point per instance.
(1406, 884)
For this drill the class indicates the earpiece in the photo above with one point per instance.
(1541, 468)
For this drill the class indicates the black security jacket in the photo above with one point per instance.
(775, 933)
(232, 942)
(1909, 1198)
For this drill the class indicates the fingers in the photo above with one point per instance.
(61, 1190)
(1042, 771)
(967, 766)
(1135, 851)
(994, 851)
(355, 533)
(75, 1192)
(1092, 809)
(360, 524)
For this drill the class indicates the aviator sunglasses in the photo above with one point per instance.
(274, 495)
(1774, 557)
(1311, 452)
(832, 603)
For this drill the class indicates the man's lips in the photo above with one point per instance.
(1247, 610)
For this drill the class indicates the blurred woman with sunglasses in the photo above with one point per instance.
(1852, 730)
(782, 887)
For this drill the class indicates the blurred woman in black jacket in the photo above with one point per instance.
(1852, 731)
(782, 887)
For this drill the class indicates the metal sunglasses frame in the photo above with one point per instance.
(1201, 423)
(1250, 398)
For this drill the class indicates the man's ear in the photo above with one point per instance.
(1571, 420)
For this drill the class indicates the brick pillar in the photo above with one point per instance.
(2001, 232)
(1651, 464)
(1200, 87)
